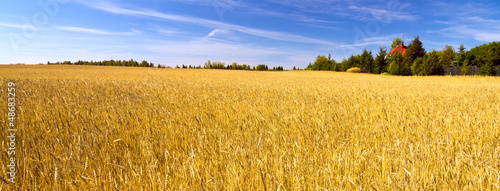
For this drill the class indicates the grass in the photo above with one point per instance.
(116, 128)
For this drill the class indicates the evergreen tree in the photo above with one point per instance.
(416, 68)
(351, 62)
(415, 50)
(261, 67)
(396, 65)
(461, 49)
(431, 65)
(380, 62)
(461, 57)
(366, 60)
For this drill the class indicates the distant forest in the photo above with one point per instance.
(133, 63)
(236, 66)
(111, 62)
(416, 61)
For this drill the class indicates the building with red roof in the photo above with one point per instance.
(400, 48)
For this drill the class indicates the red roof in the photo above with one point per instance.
(400, 48)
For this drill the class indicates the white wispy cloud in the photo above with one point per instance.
(292, 16)
(469, 20)
(216, 31)
(459, 9)
(17, 26)
(387, 39)
(224, 6)
(382, 15)
(167, 32)
(228, 4)
(96, 31)
(309, 4)
(487, 37)
(275, 35)
(475, 27)
(383, 11)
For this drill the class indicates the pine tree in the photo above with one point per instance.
(397, 64)
(415, 50)
(431, 66)
(380, 62)
(366, 60)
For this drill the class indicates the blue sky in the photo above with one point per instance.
(273, 32)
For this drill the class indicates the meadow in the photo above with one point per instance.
(126, 128)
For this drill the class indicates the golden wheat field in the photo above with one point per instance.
(119, 128)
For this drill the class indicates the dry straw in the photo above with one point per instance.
(115, 128)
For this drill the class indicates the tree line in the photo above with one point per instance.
(415, 61)
(235, 66)
(133, 63)
(111, 62)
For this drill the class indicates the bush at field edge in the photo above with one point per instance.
(354, 70)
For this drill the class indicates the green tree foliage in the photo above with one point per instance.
(366, 61)
(461, 49)
(352, 61)
(343, 65)
(487, 69)
(396, 65)
(447, 56)
(416, 61)
(415, 50)
(111, 62)
(221, 65)
(417, 66)
(465, 67)
(278, 68)
(208, 65)
(323, 63)
(144, 63)
(396, 42)
(214, 65)
(380, 62)
(431, 64)
(461, 57)
(261, 67)
(486, 54)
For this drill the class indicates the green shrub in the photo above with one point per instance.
(354, 70)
